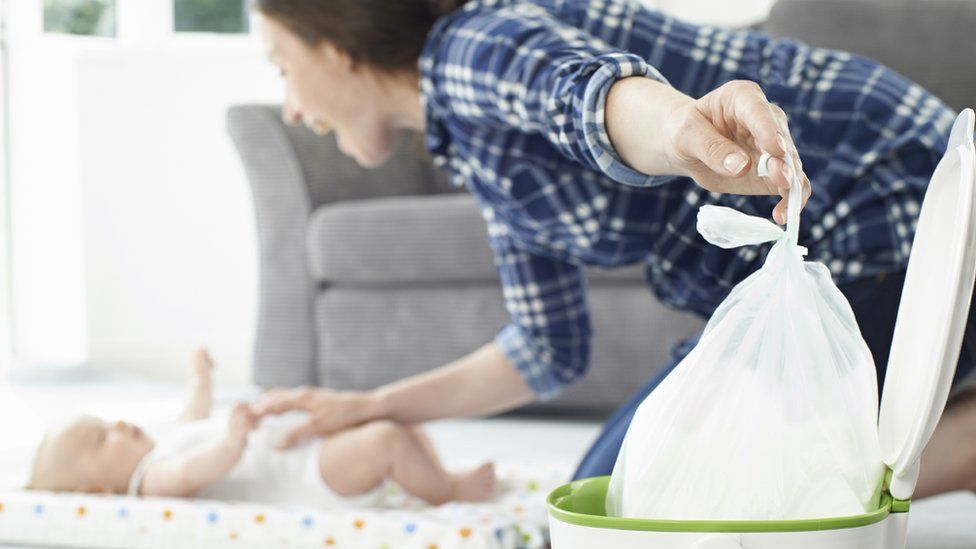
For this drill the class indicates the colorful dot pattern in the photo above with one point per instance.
(521, 512)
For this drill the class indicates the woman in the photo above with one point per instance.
(574, 124)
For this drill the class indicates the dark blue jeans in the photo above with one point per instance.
(875, 303)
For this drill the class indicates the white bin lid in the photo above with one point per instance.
(933, 311)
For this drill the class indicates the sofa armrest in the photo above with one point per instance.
(292, 172)
(284, 352)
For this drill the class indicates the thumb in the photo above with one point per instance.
(720, 154)
(297, 434)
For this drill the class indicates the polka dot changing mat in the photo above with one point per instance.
(515, 518)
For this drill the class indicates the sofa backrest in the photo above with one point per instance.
(331, 176)
(932, 42)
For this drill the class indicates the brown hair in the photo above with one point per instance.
(388, 35)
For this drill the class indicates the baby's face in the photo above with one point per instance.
(106, 453)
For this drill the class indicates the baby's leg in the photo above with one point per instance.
(425, 443)
(357, 460)
(474, 485)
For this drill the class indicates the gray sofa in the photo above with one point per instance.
(368, 276)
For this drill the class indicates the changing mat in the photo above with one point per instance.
(515, 518)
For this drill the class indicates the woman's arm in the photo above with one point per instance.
(483, 382)
(519, 67)
(656, 129)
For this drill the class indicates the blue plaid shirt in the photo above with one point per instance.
(514, 94)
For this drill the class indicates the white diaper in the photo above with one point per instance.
(264, 473)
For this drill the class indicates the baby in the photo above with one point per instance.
(237, 459)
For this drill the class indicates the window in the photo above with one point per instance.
(221, 16)
(84, 17)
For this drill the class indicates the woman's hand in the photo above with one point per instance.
(482, 383)
(328, 411)
(715, 140)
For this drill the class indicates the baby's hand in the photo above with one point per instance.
(202, 363)
(243, 420)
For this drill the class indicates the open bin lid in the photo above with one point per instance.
(933, 311)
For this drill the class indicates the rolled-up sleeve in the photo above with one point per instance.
(548, 338)
(524, 68)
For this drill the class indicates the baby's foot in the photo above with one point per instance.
(476, 484)
(202, 362)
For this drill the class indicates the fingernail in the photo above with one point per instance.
(735, 162)
(762, 166)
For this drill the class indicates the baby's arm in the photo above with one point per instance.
(201, 388)
(185, 477)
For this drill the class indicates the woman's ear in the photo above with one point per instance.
(336, 57)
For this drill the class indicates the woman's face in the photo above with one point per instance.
(327, 91)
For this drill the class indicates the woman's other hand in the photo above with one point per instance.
(328, 411)
(716, 140)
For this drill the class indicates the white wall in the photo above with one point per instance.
(47, 267)
(6, 355)
(133, 234)
(169, 230)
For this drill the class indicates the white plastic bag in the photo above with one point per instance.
(773, 415)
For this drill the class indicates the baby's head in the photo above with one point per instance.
(89, 455)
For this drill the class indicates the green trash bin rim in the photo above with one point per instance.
(582, 503)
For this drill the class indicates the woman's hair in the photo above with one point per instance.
(388, 35)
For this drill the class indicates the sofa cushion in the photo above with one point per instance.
(930, 41)
(436, 238)
(371, 336)
(421, 239)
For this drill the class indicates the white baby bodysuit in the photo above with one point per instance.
(263, 473)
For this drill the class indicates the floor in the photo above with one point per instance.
(945, 522)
